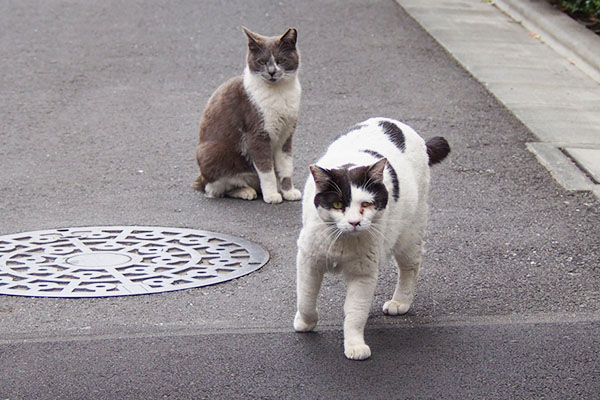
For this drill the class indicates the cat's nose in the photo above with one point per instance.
(354, 223)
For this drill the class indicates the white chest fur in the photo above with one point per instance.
(278, 103)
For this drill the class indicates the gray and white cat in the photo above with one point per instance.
(365, 201)
(245, 143)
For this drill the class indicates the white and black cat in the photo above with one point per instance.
(365, 201)
(245, 143)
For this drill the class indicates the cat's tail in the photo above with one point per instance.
(199, 183)
(437, 149)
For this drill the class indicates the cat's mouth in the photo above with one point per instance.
(271, 78)
(354, 230)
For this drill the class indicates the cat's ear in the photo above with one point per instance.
(375, 171)
(321, 177)
(254, 39)
(289, 38)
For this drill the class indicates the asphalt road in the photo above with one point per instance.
(99, 107)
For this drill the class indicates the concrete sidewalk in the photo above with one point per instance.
(542, 65)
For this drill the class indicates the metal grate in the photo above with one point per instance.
(121, 261)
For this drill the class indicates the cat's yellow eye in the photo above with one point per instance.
(338, 205)
(365, 204)
(262, 62)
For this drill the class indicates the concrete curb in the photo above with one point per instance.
(559, 31)
(561, 168)
(580, 46)
(551, 83)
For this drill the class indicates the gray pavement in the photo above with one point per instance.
(100, 105)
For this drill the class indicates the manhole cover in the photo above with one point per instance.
(121, 261)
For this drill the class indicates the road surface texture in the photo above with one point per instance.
(100, 106)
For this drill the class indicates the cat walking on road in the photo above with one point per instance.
(245, 143)
(364, 202)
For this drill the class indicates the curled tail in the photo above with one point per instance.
(437, 149)
(199, 183)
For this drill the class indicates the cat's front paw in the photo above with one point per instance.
(302, 325)
(273, 198)
(393, 307)
(292, 195)
(357, 351)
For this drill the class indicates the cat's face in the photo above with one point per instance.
(350, 198)
(273, 58)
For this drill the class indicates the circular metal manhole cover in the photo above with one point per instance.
(121, 261)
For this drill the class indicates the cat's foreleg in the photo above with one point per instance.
(262, 159)
(409, 264)
(284, 165)
(359, 297)
(309, 277)
(268, 186)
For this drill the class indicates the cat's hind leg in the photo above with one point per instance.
(408, 261)
(199, 183)
(244, 193)
(215, 189)
(244, 186)
(240, 186)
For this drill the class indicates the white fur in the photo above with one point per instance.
(268, 186)
(279, 104)
(328, 242)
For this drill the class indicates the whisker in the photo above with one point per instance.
(337, 236)
(325, 223)
(373, 235)
(373, 230)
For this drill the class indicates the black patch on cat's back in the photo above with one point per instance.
(373, 153)
(391, 170)
(394, 133)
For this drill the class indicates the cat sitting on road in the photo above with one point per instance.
(245, 143)
(365, 201)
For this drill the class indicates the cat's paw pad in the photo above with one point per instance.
(357, 351)
(245, 193)
(393, 307)
(301, 325)
(273, 198)
(292, 195)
